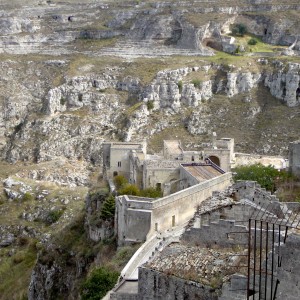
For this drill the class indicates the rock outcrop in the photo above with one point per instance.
(285, 85)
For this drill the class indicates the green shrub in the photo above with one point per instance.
(27, 197)
(120, 181)
(151, 193)
(197, 83)
(23, 240)
(150, 105)
(129, 189)
(62, 101)
(98, 284)
(18, 257)
(98, 195)
(267, 177)
(108, 208)
(54, 216)
(123, 255)
(252, 41)
(180, 85)
(239, 29)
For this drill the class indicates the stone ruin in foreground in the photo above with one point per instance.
(211, 258)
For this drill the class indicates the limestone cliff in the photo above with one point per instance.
(77, 115)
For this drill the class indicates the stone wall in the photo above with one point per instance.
(289, 273)
(132, 224)
(186, 179)
(221, 234)
(139, 218)
(156, 285)
(294, 158)
(222, 154)
(252, 191)
(158, 177)
(116, 157)
(178, 208)
(279, 162)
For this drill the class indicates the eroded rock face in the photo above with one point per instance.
(55, 274)
(241, 82)
(81, 111)
(199, 122)
(137, 121)
(13, 25)
(285, 85)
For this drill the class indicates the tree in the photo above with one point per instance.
(267, 177)
(108, 208)
(120, 181)
(98, 284)
(239, 29)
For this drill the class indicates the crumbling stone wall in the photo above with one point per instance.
(221, 234)
(156, 285)
(294, 158)
(289, 273)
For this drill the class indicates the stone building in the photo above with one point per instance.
(294, 158)
(210, 260)
(207, 261)
(137, 218)
(116, 157)
(161, 170)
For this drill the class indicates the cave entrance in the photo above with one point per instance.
(215, 160)
(212, 43)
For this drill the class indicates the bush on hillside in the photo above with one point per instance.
(98, 284)
(120, 181)
(27, 197)
(252, 41)
(239, 29)
(268, 177)
(150, 104)
(197, 83)
(54, 216)
(180, 85)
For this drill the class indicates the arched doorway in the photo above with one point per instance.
(215, 160)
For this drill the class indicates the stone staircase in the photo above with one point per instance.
(149, 48)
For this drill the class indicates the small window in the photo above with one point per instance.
(173, 221)
(156, 226)
(119, 164)
(158, 186)
(193, 158)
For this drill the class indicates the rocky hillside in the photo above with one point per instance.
(76, 73)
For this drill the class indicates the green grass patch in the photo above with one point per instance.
(15, 271)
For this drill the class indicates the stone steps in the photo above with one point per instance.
(149, 49)
(147, 52)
